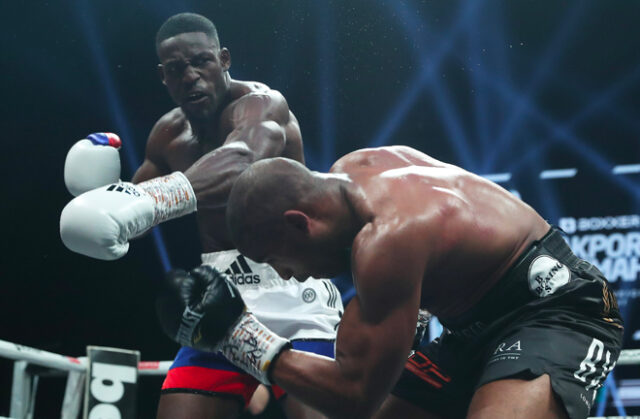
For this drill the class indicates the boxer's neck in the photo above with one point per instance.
(340, 211)
(207, 131)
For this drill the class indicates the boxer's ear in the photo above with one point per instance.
(160, 70)
(298, 220)
(225, 59)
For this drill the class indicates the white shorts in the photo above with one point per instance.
(292, 309)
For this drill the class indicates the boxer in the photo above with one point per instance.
(194, 154)
(531, 330)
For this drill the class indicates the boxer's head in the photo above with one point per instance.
(192, 65)
(279, 212)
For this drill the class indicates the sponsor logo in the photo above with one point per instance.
(427, 370)
(308, 295)
(617, 254)
(507, 351)
(595, 366)
(107, 387)
(240, 272)
(608, 242)
(241, 279)
(122, 187)
(568, 225)
(333, 294)
(546, 275)
(188, 324)
(504, 348)
(619, 222)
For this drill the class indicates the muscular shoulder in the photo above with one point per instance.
(260, 103)
(170, 126)
(353, 159)
(384, 158)
(367, 157)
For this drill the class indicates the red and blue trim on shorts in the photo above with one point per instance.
(208, 373)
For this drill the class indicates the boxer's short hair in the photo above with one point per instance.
(186, 22)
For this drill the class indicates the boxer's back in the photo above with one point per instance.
(481, 228)
(176, 148)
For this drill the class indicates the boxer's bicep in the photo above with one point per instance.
(379, 333)
(370, 354)
(154, 164)
(373, 342)
(148, 170)
(376, 333)
(260, 121)
(265, 139)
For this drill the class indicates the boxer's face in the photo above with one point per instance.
(194, 69)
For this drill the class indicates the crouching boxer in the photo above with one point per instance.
(531, 330)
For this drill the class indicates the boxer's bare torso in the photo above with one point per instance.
(454, 231)
(173, 146)
(421, 234)
(220, 127)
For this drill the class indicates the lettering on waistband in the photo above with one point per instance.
(546, 275)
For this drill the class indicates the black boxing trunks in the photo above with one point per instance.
(551, 313)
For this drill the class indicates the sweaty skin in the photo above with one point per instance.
(255, 124)
(462, 230)
(220, 127)
(423, 234)
(230, 128)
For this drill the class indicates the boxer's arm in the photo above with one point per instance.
(154, 164)
(374, 339)
(258, 132)
(149, 169)
(259, 121)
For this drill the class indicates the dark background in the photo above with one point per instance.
(493, 86)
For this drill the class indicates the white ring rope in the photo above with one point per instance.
(43, 358)
(629, 357)
(68, 363)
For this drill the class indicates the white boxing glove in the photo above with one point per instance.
(92, 162)
(100, 223)
(251, 346)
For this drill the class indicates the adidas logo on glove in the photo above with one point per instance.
(123, 187)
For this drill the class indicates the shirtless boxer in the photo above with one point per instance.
(231, 123)
(531, 330)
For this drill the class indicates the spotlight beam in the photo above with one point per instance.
(479, 94)
(429, 64)
(326, 81)
(560, 133)
(542, 70)
(114, 105)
